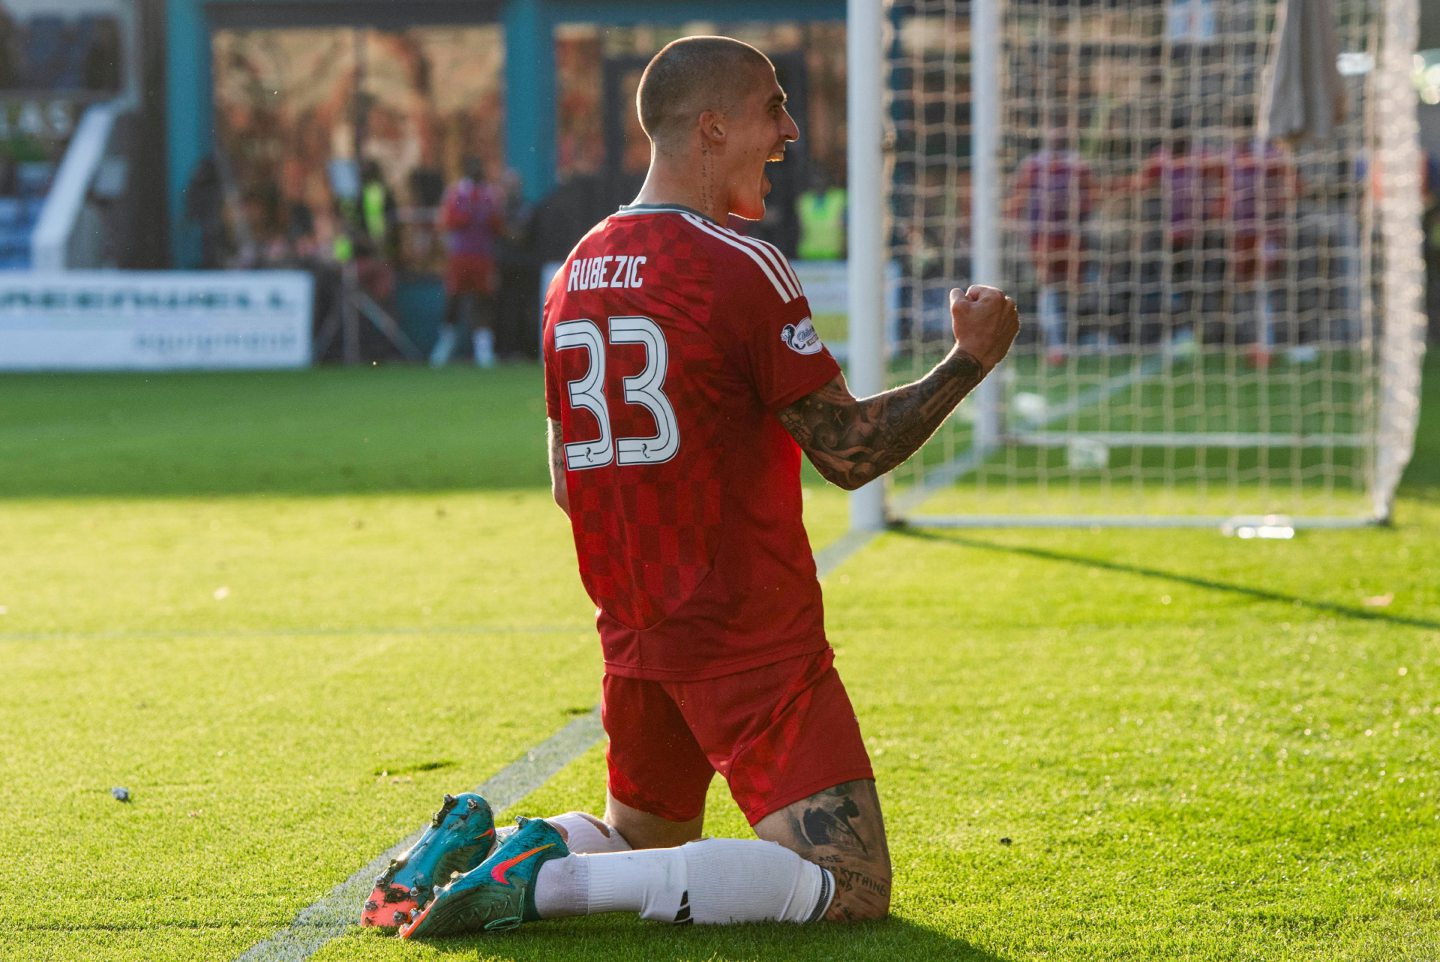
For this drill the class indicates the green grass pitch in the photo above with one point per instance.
(287, 611)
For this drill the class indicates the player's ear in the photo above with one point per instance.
(712, 125)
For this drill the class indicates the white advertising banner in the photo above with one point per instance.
(826, 284)
(143, 320)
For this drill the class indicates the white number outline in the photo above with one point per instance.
(642, 390)
(587, 392)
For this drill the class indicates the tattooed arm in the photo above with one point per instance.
(557, 466)
(852, 441)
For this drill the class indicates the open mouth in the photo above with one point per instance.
(775, 157)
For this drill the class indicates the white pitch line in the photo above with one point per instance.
(332, 916)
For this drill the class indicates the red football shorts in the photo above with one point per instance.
(469, 274)
(777, 734)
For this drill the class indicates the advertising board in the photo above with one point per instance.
(139, 320)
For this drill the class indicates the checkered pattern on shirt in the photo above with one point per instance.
(701, 562)
(646, 534)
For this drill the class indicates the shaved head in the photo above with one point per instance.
(693, 75)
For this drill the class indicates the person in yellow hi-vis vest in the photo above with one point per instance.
(379, 216)
(371, 214)
(821, 212)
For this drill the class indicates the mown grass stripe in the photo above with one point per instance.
(411, 631)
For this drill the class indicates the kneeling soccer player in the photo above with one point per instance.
(683, 379)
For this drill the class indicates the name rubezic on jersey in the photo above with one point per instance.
(612, 270)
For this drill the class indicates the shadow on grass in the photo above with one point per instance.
(327, 431)
(624, 938)
(1258, 594)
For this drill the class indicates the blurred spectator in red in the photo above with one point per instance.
(1181, 205)
(1055, 195)
(1180, 177)
(472, 215)
(1261, 188)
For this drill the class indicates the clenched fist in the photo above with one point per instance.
(985, 322)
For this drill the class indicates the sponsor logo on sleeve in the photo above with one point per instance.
(801, 338)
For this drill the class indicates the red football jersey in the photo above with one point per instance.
(670, 343)
(1055, 190)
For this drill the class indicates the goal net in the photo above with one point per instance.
(1216, 324)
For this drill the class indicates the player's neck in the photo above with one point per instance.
(666, 184)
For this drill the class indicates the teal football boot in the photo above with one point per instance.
(459, 838)
(500, 893)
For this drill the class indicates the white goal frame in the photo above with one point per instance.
(1396, 358)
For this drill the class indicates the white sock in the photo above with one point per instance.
(710, 882)
(484, 341)
(561, 887)
(563, 892)
(586, 834)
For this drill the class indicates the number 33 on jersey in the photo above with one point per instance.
(645, 389)
(670, 341)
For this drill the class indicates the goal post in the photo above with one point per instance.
(1214, 326)
(1402, 343)
(865, 103)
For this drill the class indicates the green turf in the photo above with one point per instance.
(322, 432)
(287, 611)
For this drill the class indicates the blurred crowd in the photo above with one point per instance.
(476, 232)
(57, 52)
(1221, 240)
(1213, 233)
(386, 238)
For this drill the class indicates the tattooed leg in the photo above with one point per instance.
(840, 829)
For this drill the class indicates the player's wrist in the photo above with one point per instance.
(961, 364)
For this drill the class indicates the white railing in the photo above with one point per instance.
(71, 232)
(68, 234)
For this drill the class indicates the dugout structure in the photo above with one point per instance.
(1217, 325)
